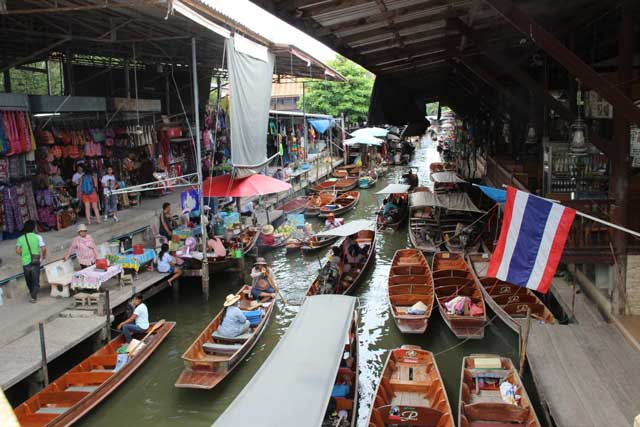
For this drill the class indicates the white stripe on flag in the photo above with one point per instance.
(519, 205)
(550, 229)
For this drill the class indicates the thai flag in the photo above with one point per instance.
(532, 238)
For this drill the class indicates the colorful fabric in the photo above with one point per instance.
(91, 278)
(133, 262)
(534, 231)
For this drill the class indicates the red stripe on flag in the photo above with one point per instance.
(557, 247)
(498, 252)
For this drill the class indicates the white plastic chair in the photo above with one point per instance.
(59, 274)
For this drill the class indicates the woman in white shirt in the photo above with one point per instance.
(167, 264)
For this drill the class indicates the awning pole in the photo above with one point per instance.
(203, 227)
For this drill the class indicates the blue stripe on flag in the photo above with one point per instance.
(531, 231)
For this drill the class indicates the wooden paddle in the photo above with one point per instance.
(273, 284)
(155, 327)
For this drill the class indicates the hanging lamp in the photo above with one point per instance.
(532, 137)
(578, 146)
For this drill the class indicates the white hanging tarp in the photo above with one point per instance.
(250, 76)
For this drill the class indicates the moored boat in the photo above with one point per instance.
(350, 171)
(343, 276)
(65, 400)
(368, 181)
(315, 243)
(343, 203)
(294, 206)
(248, 238)
(315, 368)
(459, 296)
(317, 201)
(211, 357)
(410, 391)
(410, 283)
(492, 394)
(510, 302)
(424, 232)
(339, 185)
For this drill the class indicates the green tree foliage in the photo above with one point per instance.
(334, 98)
(35, 83)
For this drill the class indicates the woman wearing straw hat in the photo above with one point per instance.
(261, 287)
(84, 247)
(234, 323)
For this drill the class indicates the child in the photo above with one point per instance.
(167, 264)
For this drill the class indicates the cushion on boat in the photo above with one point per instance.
(239, 338)
(210, 347)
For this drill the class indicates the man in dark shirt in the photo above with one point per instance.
(166, 222)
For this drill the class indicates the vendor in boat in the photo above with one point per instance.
(260, 274)
(411, 178)
(331, 222)
(390, 208)
(138, 322)
(234, 322)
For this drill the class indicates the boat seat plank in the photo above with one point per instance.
(409, 398)
(52, 410)
(83, 388)
(239, 339)
(228, 349)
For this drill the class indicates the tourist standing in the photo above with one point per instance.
(109, 184)
(83, 247)
(32, 251)
(88, 186)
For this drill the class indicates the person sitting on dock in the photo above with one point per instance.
(138, 322)
(260, 274)
(167, 264)
(234, 323)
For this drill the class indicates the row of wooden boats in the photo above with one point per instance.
(411, 392)
(460, 290)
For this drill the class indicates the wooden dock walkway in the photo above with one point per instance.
(586, 373)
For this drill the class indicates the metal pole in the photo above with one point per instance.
(43, 352)
(304, 120)
(107, 309)
(203, 227)
(525, 341)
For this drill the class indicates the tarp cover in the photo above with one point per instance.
(395, 189)
(250, 86)
(320, 125)
(293, 386)
(496, 194)
(363, 140)
(450, 201)
(352, 227)
(446, 177)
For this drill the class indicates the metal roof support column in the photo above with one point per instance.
(620, 161)
(567, 58)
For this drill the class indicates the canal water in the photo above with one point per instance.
(149, 398)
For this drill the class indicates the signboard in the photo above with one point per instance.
(597, 107)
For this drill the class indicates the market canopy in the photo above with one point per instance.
(395, 189)
(363, 140)
(377, 132)
(350, 228)
(446, 177)
(495, 194)
(254, 185)
(450, 201)
(293, 386)
(320, 125)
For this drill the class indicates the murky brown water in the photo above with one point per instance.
(149, 399)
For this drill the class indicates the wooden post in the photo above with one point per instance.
(524, 339)
(107, 310)
(43, 352)
(573, 301)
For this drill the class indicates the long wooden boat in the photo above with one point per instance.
(453, 278)
(317, 201)
(211, 357)
(508, 301)
(346, 281)
(481, 402)
(410, 282)
(315, 243)
(410, 392)
(343, 203)
(279, 241)
(67, 399)
(398, 219)
(368, 181)
(346, 173)
(248, 238)
(424, 232)
(294, 206)
(315, 367)
(441, 167)
(340, 185)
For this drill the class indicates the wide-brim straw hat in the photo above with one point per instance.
(260, 261)
(231, 299)
(267, 229)
(82, 227)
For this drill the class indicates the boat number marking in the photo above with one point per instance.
(522, 308)
(409, 416)
(513, 298)
(505, 290)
